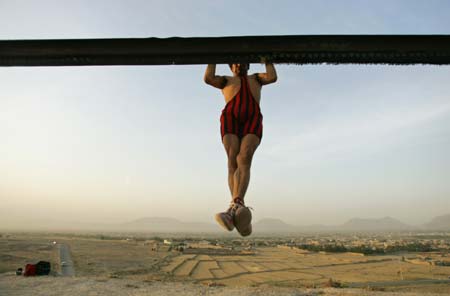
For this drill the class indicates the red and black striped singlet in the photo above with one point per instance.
(242, 115)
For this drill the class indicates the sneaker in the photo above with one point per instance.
(246, 231)
(225, 219)
(242, 218)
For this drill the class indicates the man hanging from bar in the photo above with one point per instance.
(241, 130)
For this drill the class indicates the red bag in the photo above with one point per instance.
(30, 270)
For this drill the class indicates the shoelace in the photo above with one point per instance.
(234, 206)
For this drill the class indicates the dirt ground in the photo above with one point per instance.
(127, 267)
(12, 285)
(17, 251)
(287, 267)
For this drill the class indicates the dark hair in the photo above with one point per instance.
(248, 65)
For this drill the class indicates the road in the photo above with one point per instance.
(65, 260)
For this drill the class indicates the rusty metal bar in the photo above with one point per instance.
(294, 49)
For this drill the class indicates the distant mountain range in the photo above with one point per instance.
(386, 223)
(272, 225)
(163, 224)
(439, 223)
(267, 225)
(355, 224)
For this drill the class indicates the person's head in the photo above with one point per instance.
(239, 69)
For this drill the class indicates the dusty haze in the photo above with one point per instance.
(114, 144)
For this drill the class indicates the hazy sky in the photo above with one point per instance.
(113, 144)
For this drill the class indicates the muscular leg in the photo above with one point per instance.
(231, 143)
(248, 146)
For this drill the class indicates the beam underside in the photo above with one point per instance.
(331, 49)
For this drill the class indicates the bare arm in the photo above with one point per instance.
(269, 77)
(212, 79)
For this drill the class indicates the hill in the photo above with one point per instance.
(382, 224)
(273, 225)
(439, 223)
(164, 224)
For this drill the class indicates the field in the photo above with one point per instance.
(289, 267)
(18, 250)
(139, 261)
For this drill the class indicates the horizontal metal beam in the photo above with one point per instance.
(294, 49)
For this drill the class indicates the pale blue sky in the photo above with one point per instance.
(118, 143)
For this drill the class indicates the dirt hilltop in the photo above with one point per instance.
(12, 285)
(126, 266)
